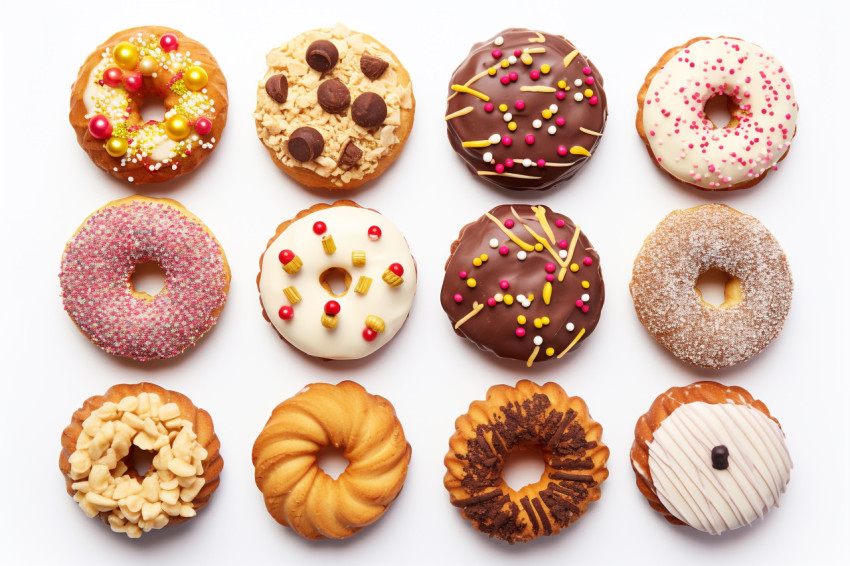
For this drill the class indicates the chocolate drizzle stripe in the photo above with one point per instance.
(547, 526)
(499, 445)
(482, 442)
(466, 90)
(533, 355)
(539, 238)
(514, 175)
(573, 464)
(540, 213)
(589, 132)
(476, 308)
(571, 477)
(537, 89)
(573, 343)
(569, 58)
(532, 516)
(559, 432)
(514, 238)
(477, 498)
(461, 112)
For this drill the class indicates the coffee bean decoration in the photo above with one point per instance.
(720, 457)
(369, 110)
(372, 67)
(322, 55)
(350, 156)
(305, 144)
(278, 88)
(334, 96)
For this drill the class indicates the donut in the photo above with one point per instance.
(690, 242)
(710, 457)
(298, 493)
(525, 110)
(679, 134)
(524, 283)
(108, 433)
(337, 281)
(517, 418)
(134, 65)
(334, 108)
(101, 257)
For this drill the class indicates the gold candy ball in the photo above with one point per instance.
(148, 65)
(126, 55)
(116, 147)
(195, 78)
(177, 127)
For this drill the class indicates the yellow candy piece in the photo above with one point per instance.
(195, 78)
(547, 114)
(585, 284)
(545, 70)
(538, 323)
(588, 93)
(509, 300)
(177, 127)
(148, 65)
(545, 320)
(521, 319)
(484, 257)
(126, 55)
(538, 247)
(116, 147)
(562, 84)
(503, 108)
(476, 262)
(573, 267)
(471, 283)
(491, 71)
(550, 351)
(505, 64)
(512, 126)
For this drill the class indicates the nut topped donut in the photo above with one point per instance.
(334, 108)
(526, 110)
(690, 242)
(524, 283)
(337, 281)
(130, 67)
(679, 134)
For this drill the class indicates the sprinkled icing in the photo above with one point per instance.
(708, 499)
(382, 285)
(686, 144)
(688, 243)
(98, 263)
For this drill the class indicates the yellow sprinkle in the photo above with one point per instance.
(472, 91)
(358, 257)
(546, 320)
(569, 58)
(471, 283)
(363, 285)
(573, 267)
(588, 93)
(292, 294)
(512, 126)
(547, 292)
(483, 257)
(503, 108)
(538, 247)
(459, 113)
(550, 351)
(545, 70)
(491, 71)
(530, 297)
(538, 323)
(499, 297)
(578, 150)
(521, 319)
(585, 284)
(328, 244)
(562, 84)
(329, 320)
(509, 300)
(476, 262)
(526, 58)
(547, 114)
(505, 64)
(476, 143)
(376, 323)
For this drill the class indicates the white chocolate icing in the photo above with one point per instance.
(684, 141)
(708, 499)
(349, 227)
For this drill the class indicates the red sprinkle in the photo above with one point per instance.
(285, 256)
(332, 308)
(369, 334)
(520, 332)
(374, 233)
(458, 298)
(397, 269)
(588, 261)
(320, 228)
(286, 312)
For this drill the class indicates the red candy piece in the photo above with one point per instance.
(374, 233)
(203, 126)
(286, 312)
(133, 82)
(285, 256)
(369, 334)
(397, 269)
(112, 76)
(100, 127)
(168, 42)
(332, 308)
(320, 228)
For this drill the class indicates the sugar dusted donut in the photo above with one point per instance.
(108, 432)
(686, 244)
(710, 457)
(99, 261)
(512, 419)
(681, 138)
(337, 281)
(130, 67)
(526, 110)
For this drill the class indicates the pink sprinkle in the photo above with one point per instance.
(505, 80)
(586, 70)
(560, 120)
(550, 277)
(520, 332)
(550, 267)
(504, 284)
(560, 95)
(509, 162)
(491, 301)
(513, 76)
(589, 80)
(563, 243)
(529, 139)
(500, 168)
(506, 140)
(519, 105)
(585, 308)
(517, 52)
(497, 53)
(593, 100)
(579, 303)
(509, 223)
(462, 274)
(562, 150)
(541, 163)
(559, 223)
(504, 250)
(488, 107)
(458, 298)
(534, 75)
(588, 261)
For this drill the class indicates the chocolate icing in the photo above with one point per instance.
(481, 125)
(564, 445)
(494, 328)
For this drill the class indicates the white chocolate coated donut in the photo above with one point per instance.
(349, 227)
(679, 134)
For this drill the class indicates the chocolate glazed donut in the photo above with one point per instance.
(526, 110)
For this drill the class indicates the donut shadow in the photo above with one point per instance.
(704, 542)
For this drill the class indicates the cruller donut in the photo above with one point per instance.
(690, 242)
(116, 79)
(517, 418)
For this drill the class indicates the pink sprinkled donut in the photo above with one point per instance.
(99, 261)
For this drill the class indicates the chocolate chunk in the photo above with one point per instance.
(278, 88)
(369, 110)
(350, 156)
(373, 67)
(306, 144)
(334, 96)
(322, 55)
(720, 457)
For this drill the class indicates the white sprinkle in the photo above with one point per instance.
(578, 97)
(521, 255)
(498, 297)
(130, 179)
(537, 124)
(552, 130)
(563, 254)
(526, 162)
(520, 298)
(571, 326)
(494, 243)
(488, 157)
(499, 40)
(526, 303)
(508, 117)
(495, 138)
(512, 59)
(538, 340)
(578, 82)
(553, 108)
(585, 297)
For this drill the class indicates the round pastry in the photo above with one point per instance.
(710, 457)
(337, 281)
(690, 242)
(526, 110)
(518, 418)
(107, 435)
(335, 108)
(524, 283)
(679, 133)
(101, 257)
(130, 67)
(298, 493)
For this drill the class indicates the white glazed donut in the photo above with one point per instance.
(309, 261)
(686, 144)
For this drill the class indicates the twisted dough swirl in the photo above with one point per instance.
(298, 493)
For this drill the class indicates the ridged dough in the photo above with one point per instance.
(298, 493)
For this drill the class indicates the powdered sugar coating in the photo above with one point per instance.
(688, 243)
(100, 259)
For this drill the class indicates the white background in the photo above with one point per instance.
(241, 370)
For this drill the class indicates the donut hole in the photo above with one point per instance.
(721, 110)
(332, 461)
(718, 289)
(152, 108)
(524, 466)
(140, 461)
(336, 281)
(147, 279)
